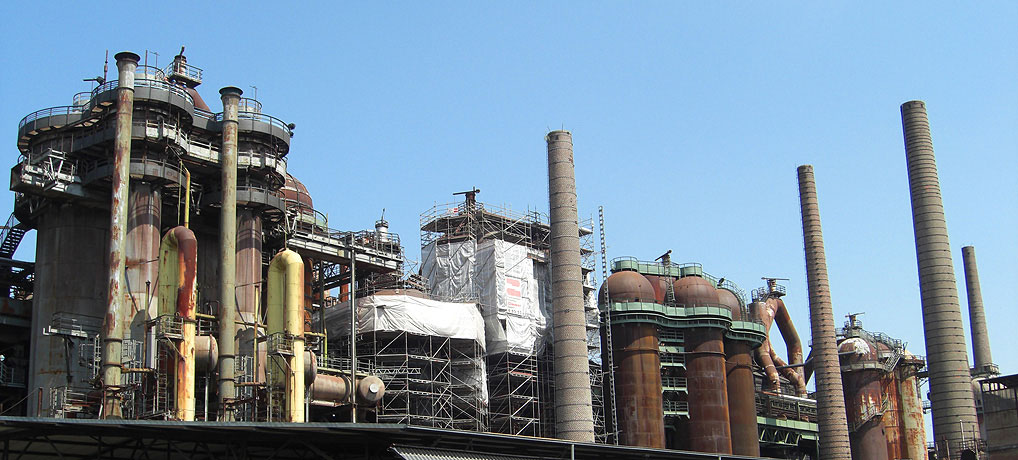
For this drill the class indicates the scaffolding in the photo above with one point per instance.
(513, 401)
(429, 380)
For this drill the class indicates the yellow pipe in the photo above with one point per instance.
(284, 316)
(178, 262)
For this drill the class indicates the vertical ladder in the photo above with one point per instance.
(162, 394)
(608, 367)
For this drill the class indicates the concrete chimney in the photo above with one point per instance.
(954, 410)
(981, 358)
(831, 418)
(573, 411)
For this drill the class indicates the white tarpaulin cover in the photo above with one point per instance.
(457, 320)
(512, 289)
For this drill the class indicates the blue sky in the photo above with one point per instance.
(689, 120)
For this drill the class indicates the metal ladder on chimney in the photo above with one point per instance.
(607, 350)
(10, 237)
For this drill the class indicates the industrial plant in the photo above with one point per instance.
(190, 298)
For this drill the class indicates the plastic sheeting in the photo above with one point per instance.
(415, 315)
(513, 289)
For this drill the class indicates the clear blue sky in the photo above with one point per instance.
(688, 119)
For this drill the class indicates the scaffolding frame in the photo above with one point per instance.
(513, 394)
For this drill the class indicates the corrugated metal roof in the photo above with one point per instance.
(421, 453)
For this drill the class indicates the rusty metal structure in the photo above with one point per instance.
(830, 397)
(670, 325)
(881, 381)
(947, 359)
(136, 322)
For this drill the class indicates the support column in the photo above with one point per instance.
(113, 325)
(573, 410)
(833, 424)
(954, 407)
(228, 255)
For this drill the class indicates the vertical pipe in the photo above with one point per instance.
(284, 311)
(977, 317)
(913, 421)
(249, 279)
(144, 217)
(641, 409)
(834, 442)
(353, 332)
(709, 424)
(228, 254)
(178, 267)
(740, 385)
(947, 358)
(113, 326)
(573, 412)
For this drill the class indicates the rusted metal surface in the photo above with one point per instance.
(831, 418)
(627, 286)
(574, 418)
(709, 423)
(113, 325)
(893, 432)
(249, 279)
(284, 319)
(913, 424)
(330, 389)
(206, 353)
(741, 388)
(638, 384)
(662, 286)
(694, 290)
(773, 311)
(947, 358)
(142, 265)
(228, 254)
(178, 288)
(863, 398)
(370, 390)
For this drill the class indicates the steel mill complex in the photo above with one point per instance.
(189, 298)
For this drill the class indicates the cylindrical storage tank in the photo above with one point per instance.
(144, 216)
(709, 423)
(370, 390)
(250, 285)
(206, 353)
(863, 399)
(893, 430)
(70, 278)
(741, 387)
(912, 419)
(332, 389)
(637, 361)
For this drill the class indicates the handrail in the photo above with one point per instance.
(145, 83)
(48, 112)
(247, 104)
(183, 69)
(258, 116)
(81, 99)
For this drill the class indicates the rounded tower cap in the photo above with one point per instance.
(127, 56)
(231, 91)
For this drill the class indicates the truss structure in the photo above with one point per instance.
(513, 394)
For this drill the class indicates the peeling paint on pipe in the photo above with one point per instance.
(228, 255)
(113, 326)
(178, 264)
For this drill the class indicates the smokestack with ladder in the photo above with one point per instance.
(831, 418)
(953, 404)
(113, 325)
(981, 359)
(573, 410)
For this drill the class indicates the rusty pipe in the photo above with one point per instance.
(863, 398)
(228, 254)
(178, 264)
(793, 347)
(284, 310)
(113, 326)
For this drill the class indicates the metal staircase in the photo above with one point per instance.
(10, 236)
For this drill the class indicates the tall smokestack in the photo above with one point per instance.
(981, 358)
(113, 325)
(573, 412)
(833, 424)
(954, 409)
(228, 254)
